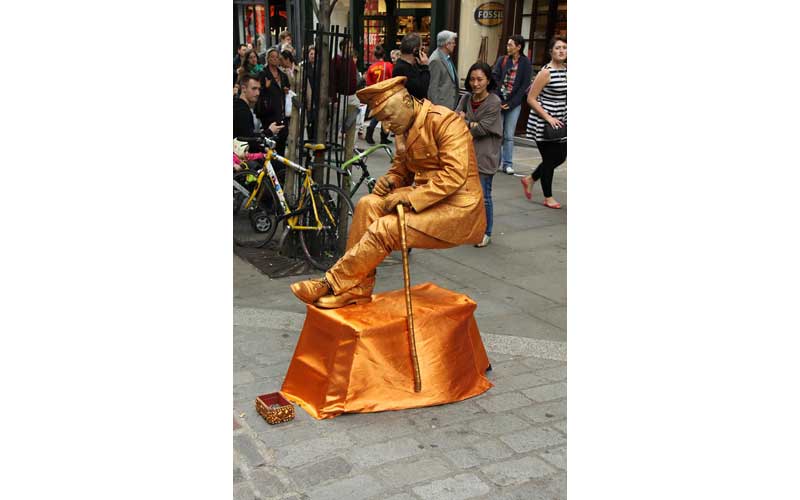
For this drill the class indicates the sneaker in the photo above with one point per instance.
(507, 169)
(485, 241)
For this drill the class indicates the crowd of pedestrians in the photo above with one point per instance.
(492, 107)
(267, 90)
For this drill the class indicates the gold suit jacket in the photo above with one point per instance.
(439, 162)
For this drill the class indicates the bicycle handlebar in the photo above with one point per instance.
(368, 152)
(263, 139)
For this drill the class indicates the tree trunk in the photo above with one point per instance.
(325, 67)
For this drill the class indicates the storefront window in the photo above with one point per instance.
(374, 35)
(386, 22)
(253, 23)
(374, 7)
(414, 23)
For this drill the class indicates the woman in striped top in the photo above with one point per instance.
(548, 99)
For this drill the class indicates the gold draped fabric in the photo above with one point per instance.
(357, 358)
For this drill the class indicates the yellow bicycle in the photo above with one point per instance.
(321, 216)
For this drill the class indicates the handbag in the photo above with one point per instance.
(240, 148)
(554, 134)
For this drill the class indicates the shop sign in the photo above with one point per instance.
(489, 14)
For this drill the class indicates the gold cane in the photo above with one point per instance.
(401, 221)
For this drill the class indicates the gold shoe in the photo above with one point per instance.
(345, 299)
(310, 290)
(359, 294)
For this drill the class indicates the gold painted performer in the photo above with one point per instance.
(434, 174)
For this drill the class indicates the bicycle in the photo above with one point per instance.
(359, 160)
(321, 217)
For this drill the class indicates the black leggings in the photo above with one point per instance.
(553, 154)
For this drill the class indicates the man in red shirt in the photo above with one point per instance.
(378, 72)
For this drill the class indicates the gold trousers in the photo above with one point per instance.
(374, 234)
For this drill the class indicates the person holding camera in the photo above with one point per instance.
(245, 123)
(413, 64)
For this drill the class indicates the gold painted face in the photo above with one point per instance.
(397, 114)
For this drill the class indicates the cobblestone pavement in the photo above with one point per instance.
(508, 443)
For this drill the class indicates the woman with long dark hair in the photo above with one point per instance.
(512, 75)
(548, 100)
(250, 64)
(480, 107)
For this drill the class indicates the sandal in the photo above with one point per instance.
(526, 187)
(554, 205)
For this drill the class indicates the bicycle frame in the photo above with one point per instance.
(359, 158)
(308, 186)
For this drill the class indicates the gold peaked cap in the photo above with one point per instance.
(375, 96)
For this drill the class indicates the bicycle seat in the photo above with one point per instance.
(314, 147)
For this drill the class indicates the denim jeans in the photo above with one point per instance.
(510, 118)
(486, 184)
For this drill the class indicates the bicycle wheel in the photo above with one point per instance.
(253, 226)
(323, 248)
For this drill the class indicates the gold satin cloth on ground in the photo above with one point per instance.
(356, 359)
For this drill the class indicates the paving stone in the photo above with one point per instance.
(320, 472)
(544, 412)
(517, 382)
(533, 438)
(402, 474)
(518, 471)
(453, 488)
(308, 451)
(271, 371)
(547, 392)
(246, 394)
(381, 431)
(281, 320)
(243, 377)
(555, 373)
(247, 448)
(267, 484)
(556, 456)
(526, 346)
(238, 477)
(439, 416)
(503, 402)
(556, 315)
(562, 426)
(508, 368)
(400, 496)
(547, 488)
(450, 437)
(243, 491)
(479, 453)
(352, 488)
(498, 424)
(498, 357)
(381, 453)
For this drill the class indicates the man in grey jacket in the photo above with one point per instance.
(443, 88)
